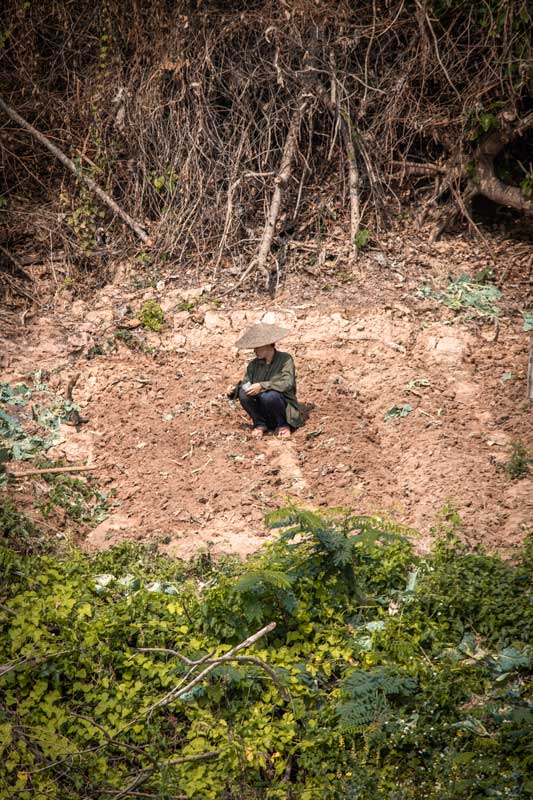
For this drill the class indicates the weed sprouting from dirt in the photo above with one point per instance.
(19, 532)
(464, 294)
(79, 498)
(133, 342)
(518, 465)
(151, 316)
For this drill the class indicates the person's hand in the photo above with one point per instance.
(254, 389)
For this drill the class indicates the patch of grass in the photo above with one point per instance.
(187, 305)
(518, 465)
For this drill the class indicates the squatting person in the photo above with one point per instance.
(268, 391)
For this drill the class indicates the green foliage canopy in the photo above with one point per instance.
(394, 676)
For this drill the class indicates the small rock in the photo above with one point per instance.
(238, 319)
(212, 321)
(195, 292)
(179, 318)
(130, 324)
(178, 340)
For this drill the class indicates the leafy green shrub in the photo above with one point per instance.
(18, 531)
(389, 675)
(362, 238)
(78, 497)
(151, 316)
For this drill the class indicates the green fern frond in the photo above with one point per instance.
(258, 579)
(380, 679)
(353, 714)
(280, 518)
(385, 525)
(366, 696)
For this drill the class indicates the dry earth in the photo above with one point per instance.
(186, 471)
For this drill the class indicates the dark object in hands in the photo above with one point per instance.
(233, 395)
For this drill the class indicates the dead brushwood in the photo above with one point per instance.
(225, 132)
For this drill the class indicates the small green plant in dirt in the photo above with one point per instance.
(79, 498)
(398, 412)
(463, 294)
(528, 321)
(188, 305)
(144, 258)
(417, 383)
(29, 430)
(518, 465)
(133, 342)
(18, 531)
(362, 238)
(95, 351)
(151, 316)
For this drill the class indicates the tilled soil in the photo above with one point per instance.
(187, 472)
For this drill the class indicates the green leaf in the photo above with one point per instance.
(361, 238)
(397, 412)
(528, 320)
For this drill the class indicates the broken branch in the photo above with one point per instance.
(69, 164)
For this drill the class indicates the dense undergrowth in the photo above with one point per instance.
(390, 675)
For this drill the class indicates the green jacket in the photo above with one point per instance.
(279, 375)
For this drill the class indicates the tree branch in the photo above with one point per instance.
(69, 164)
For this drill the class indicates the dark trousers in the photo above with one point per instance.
(267, 409)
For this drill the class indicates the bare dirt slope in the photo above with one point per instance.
(180, 456)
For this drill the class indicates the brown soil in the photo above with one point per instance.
(180, 455)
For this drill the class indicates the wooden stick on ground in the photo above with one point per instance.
(54, 470)
(69, 164)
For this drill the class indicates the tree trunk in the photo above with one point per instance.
(69, 164)
(353, 184)
(280, 183)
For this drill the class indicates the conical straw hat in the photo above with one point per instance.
(260, 335)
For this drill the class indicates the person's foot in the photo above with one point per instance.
(284, 433)
(258, 433)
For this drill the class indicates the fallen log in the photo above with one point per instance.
(70, 165)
